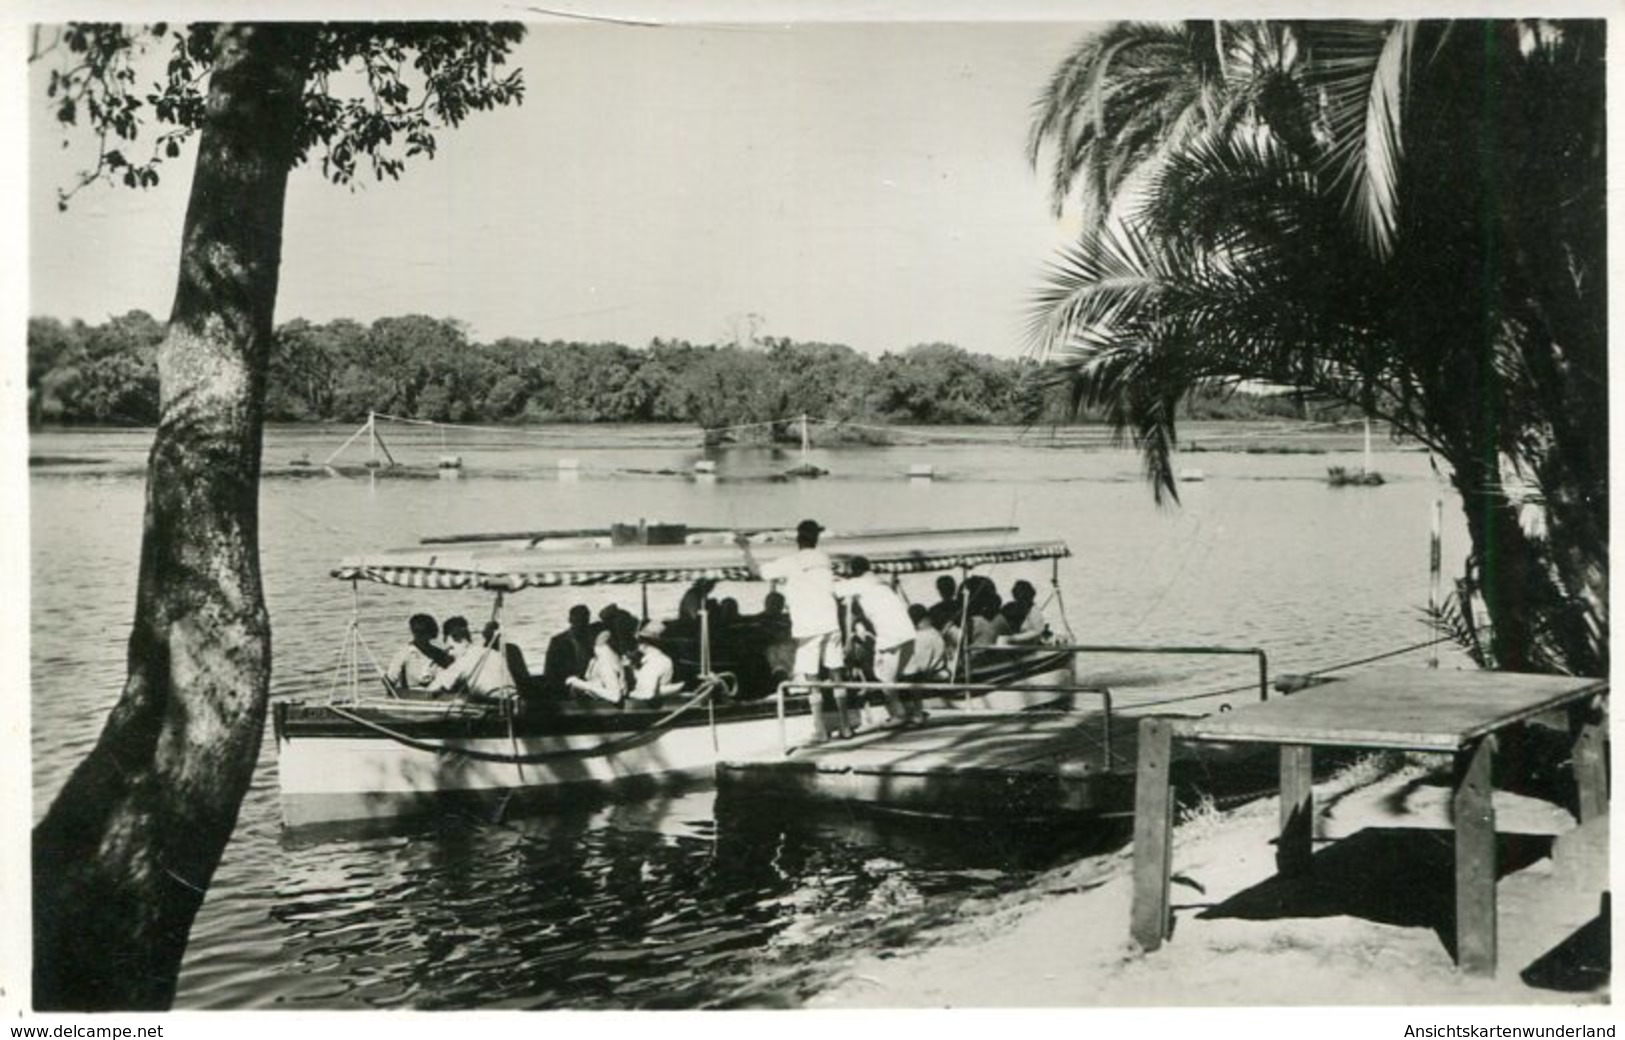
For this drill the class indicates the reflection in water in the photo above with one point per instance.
(651, 904)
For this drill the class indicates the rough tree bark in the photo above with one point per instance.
(126, 851)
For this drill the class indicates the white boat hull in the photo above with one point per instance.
(334, 771)
(329, 779)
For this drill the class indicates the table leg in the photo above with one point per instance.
(1474, 812)
(1294, 848)
(1153, 834)
(1590, 759)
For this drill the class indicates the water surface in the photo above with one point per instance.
(677, 902)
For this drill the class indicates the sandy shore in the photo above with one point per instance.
(1373, 926)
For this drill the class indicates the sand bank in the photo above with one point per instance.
(1373, 926)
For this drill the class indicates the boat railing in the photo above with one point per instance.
(966, 691)
(1112, 648)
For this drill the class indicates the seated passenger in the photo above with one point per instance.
(415, 667)
(765, 651)
(773, 615)
(455, 635)
(622, 627)
(1034, 627)
(479, 673)
(655, 676)
(945, 611)
(927, 657)
(606, 675)
(1008, 620)
(727, 615)
(568, 653)
(984, 612)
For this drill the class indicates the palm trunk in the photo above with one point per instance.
(1545, 595)
(126, 852)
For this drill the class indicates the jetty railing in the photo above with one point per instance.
(1105, 648)
(943, 690)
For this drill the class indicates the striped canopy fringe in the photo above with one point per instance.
(420, 577)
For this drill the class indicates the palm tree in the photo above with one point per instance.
(1403, 216)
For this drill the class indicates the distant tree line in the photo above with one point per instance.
(428, 368)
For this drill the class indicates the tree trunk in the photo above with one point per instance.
(1544, 616)
(125, 853)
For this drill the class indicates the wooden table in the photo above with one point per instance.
(1402, 709)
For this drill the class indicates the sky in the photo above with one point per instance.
(855, 183)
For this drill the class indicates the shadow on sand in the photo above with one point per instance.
(1406, 877)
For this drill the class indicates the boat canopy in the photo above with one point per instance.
(512, 564)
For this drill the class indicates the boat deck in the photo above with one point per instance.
(969, 764)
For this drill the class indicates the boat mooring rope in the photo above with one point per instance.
(704, 693)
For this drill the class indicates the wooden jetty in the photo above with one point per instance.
(1009, 766)
(1464, 714)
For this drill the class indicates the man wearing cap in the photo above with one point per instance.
(809, 593)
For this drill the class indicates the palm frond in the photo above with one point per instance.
(1109, 106)
(1093, 283)
(1362, 70)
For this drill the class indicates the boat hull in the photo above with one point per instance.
(353, 764)
(331, 769)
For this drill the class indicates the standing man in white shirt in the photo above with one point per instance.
(809, 593)
(888, 616)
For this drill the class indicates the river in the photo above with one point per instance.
(678, 902)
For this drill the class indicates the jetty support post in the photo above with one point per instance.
(1294, 847)
(1153, 834)
(784, 733)
(1474, 811)
(1106, 728)
(1589, 726)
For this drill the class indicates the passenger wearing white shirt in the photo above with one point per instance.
(414, 669)
(606, 674)
(1033, 627)
(479, 673)
(888, 616)
(808, 580)
(655, 671)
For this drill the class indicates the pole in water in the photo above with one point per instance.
(1435, 556)
(372, 438)
(803, 439)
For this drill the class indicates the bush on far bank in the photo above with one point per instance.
(428, 368)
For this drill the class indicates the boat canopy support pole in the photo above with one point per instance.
(496, 615)
(705, 640)
(347, 668)
(962, 656)
(1060, 602)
